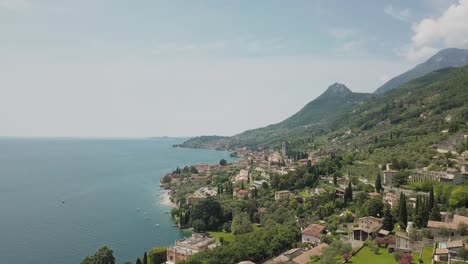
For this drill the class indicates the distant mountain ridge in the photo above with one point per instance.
(320, 113)
(446, 58)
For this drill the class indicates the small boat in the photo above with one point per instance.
(156, 225)
(145, 213)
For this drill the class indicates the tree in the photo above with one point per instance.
(430, 204)
(104, 255)
(199, 226)
(157, 255)
(435, 214)
(387, 218)
(241, 224)
(335, 181)
(348, 196)
(209, 211)
(145, 258)
(403, 211)
(138, 261)
(462, 253)
(222, 162)
(378, 184)
(374, 207)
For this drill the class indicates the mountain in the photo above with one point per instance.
(446, 58)
(319, 114)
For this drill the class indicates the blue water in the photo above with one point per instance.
(102, 183)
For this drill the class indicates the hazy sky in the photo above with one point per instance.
(185, 68)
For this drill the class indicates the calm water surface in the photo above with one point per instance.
(101, 184)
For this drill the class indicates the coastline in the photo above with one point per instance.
(165, 199)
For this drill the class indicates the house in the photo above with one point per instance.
(304, 258)
(192, 199)
(436, 226)
(239, 193)
(202, 168)
(312, 234)
(243, 176)
(283, 195)
(390, 198)
(187, 247)
(365, 227)
(402, 242)
(464, 155)
(447, 251)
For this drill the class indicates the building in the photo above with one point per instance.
(312, 234)
(239, 193)
(198, 178)
(283, 195)
(187, 247)
(390, 198)
(243, 176)
(388, 176)
(464, 167)
(191, 199)
(452, 226)
(339, 193)
(365, 227)
(449, 176)
(402, 242)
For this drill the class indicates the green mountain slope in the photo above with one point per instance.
(445, 58)
(405, 122)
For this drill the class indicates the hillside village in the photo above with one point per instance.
(416, 215)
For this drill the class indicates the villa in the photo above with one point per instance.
(187, 247)
(366, 227)
(312, 234)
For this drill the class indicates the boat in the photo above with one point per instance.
(145, 213)
(138, 209)
(157, 225)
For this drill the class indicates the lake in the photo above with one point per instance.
(62, 199)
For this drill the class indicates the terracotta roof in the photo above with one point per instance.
(457, 219)
(314, 230)
(304, 258)
(441, 251)
(402, 235)
(455, 244)
(384, 232)
(438, 225)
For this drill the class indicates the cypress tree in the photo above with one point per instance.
(335, 180)
(378, 184)
(431, 199)
(403, 214)
(145, 258)
(435, 214)
(418, 218)
(388, 218)
(138, 261)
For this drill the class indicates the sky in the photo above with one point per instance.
(115, 68)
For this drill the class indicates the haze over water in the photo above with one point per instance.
(101, 182)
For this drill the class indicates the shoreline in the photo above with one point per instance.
(165, 199)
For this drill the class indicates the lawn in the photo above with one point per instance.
(226, 236)
(367, 256)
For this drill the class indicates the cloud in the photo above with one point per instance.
(14, 4)
(400, 14)
(449, 30)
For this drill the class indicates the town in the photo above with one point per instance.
(396, 215)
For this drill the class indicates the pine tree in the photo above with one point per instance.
(145, 258)
(378, 184)
(403, 212)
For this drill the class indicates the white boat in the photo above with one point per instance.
(157, 225)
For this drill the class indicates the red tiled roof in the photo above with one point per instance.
(314, 230)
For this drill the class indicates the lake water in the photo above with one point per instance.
(101, 182)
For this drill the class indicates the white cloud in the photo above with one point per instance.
(400, 14)
(14, 4)
(450, 30)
